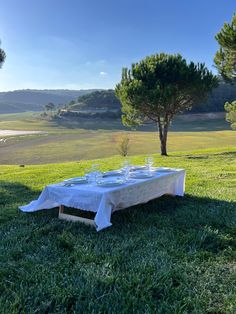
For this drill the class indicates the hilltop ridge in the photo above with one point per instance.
(94, 99)
(35, 99)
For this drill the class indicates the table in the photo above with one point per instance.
(105, 200)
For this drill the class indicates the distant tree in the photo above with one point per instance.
(71, 103)
(159, 87)
(2, 56)
(225, 60)
(49, 107)
(231, 113)
(225, 57)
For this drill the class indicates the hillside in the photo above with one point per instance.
(94, 100)
(107, 100)
(217, 98)
(98, 104)
(34, 100)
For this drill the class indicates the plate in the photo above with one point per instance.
(110, 183)
(141, 175)
(136, 168)
(163, 169)
(114, 173)
(79, 180)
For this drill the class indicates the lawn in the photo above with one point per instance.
(171, 255)
(90, 139)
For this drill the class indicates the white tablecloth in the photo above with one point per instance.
(103, 200)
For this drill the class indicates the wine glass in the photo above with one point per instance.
(95, 167)
(149, 162)
(126, 169)
(98, 177)
(92, 173)
(125, 164)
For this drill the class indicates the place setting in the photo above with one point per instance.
(96, 178)
(128, 173)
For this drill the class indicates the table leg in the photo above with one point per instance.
(61, 209)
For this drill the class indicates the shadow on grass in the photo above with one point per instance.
(205, 155)
(13, 195)
(182, 214)
(193, 224)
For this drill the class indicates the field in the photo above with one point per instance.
(171, 255)
(70, 141)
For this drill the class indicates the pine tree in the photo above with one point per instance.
(2, 56)
(159, 87)
(225, 58)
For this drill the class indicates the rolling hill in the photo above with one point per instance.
(34, 100)
(94, 99)
(106, 100)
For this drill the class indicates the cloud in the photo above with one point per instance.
(103, 73)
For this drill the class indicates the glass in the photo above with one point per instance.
(149, 162)
(126, 173)
(93, 174)
(98, 177)
(126, 169)
(95, 167)
(90, 178)
(125, 164)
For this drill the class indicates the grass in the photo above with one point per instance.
(171, 255)
(97, 139)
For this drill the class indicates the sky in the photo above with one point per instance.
(82, 44)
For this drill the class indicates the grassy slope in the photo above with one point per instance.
(96, 139)
(172, 255)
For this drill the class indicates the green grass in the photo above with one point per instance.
(90, 139)
(171, 255)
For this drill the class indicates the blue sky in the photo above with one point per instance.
(78, 44)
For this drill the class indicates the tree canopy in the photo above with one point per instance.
(159, 87)
(50, 106)
(231, 113)
(104, 99)
(2, 56)
(225, 58)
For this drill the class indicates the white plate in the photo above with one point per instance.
(110, 183)
(112, 173)
(79, 180)
(137, 168)
(163, 169)
(141, 175)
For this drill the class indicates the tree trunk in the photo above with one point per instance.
(163, 130)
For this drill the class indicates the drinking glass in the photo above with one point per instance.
(92, 174)
(125, 164)
(149, 162)
(90, 178)
(126, 173)
(98, 177)
(126, 169)
(95, 167)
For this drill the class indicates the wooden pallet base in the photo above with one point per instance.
(74, 218)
